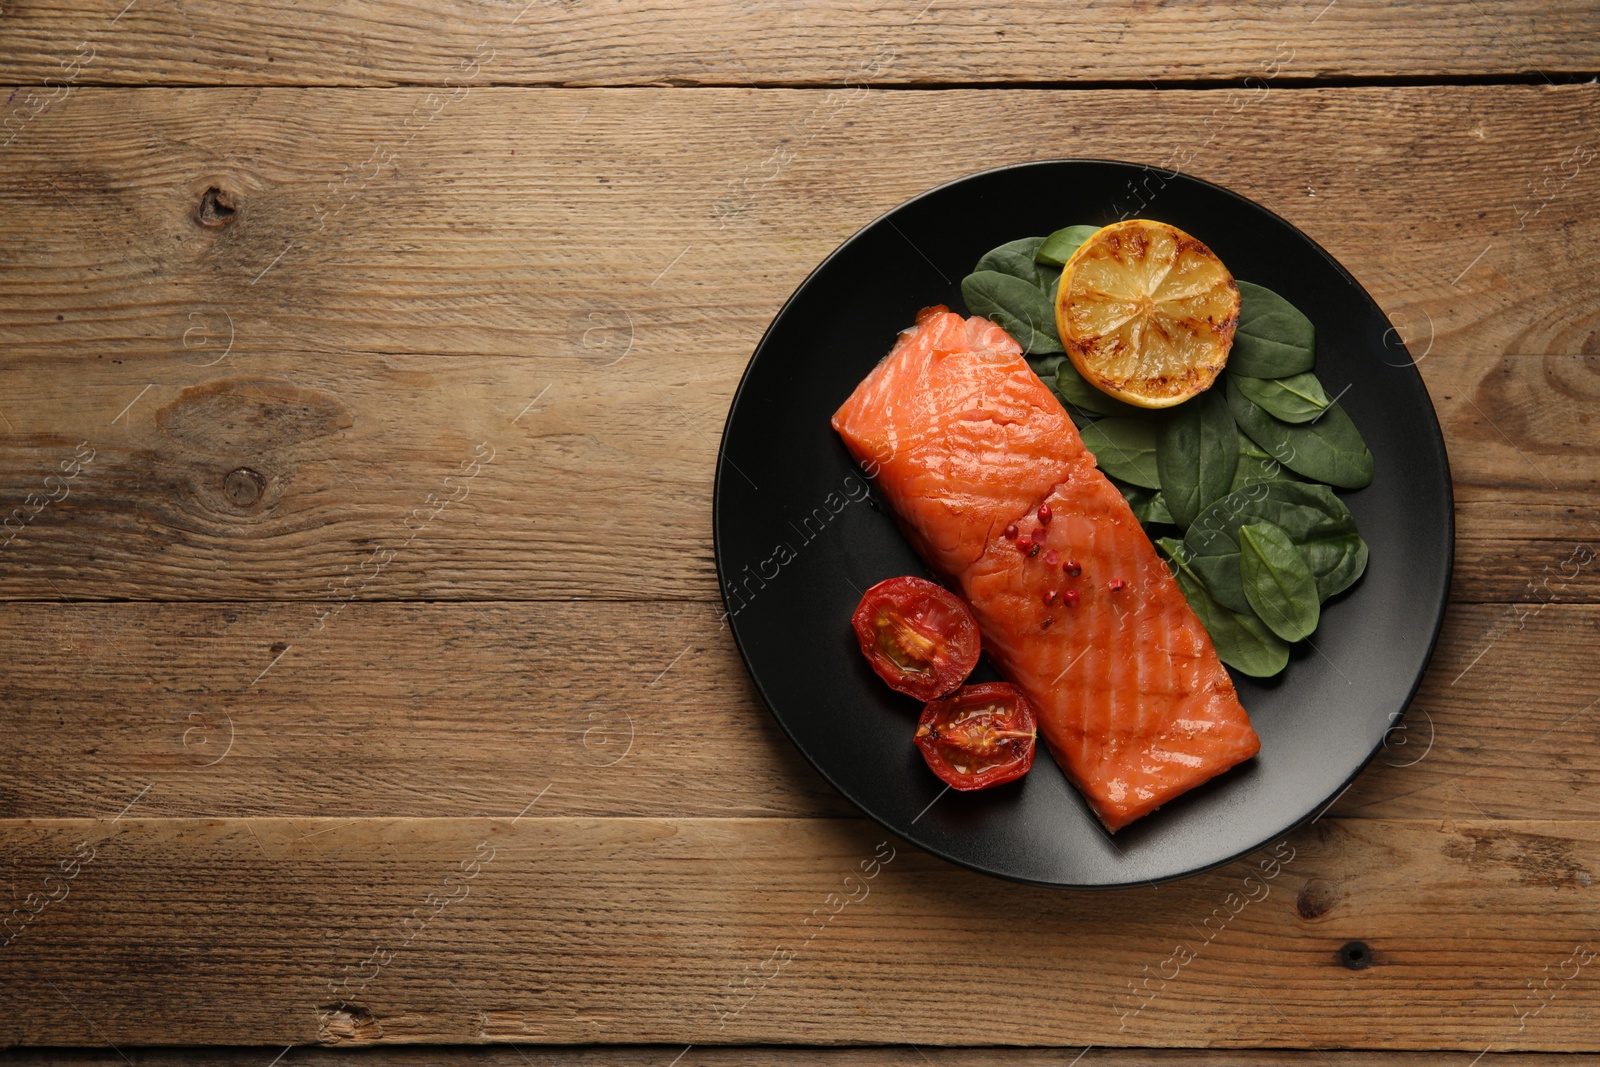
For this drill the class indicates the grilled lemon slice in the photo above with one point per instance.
(1147, 313)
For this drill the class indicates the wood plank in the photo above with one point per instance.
(585, 930)
(632, 42)
(382, 477)
(1522, 551)
(622, 710)
(459, 710)
(416, 223)
(764, 1055)
(136, 328)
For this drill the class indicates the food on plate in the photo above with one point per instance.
(1248, 450)
(1146, 313)
(1188, 406)
(920, 637)
(979, 736)
(988, 478)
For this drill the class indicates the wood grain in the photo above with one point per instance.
(762, 1056)
(354, 346)
(377, 383)
(585, 930)
(460, 710)
(446, 710)
(430, 223)
(633, 42)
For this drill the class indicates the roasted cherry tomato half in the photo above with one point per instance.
(979, 736)
(920, 637)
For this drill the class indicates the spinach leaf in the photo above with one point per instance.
(1076, 388)
(1274, 340)
(1297, 398)
(1242, 641)
(1149, 505)
(1016, 306)
(1016, 259)
(1046, 368)
(1155, 511)
(1277, 582)
(1197, 452)
(1336, 561)
(1249, 449)
(1255, 465)
(1258, 468)
(1056, 249)
(1315, 519)
(1222, 579)
(1328, 449)
(1081, 418)
(1305, 511)
(1125, 448)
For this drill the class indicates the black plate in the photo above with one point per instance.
(798, 537)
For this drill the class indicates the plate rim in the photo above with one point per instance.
(1435, 440)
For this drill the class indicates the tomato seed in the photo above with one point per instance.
(1044, 514)
(1116, 585)
(1072, 568)
(1071, 597)
(1011, 532)
(1051, 559)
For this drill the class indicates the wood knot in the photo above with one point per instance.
(1355, 955)
(1315, 899)
(243, 487)
(217, 208)
(242, 417)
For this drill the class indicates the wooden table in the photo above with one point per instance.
(363, 681)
